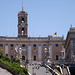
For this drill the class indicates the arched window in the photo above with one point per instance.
(22, 29)
(22, 20)
(22, 32)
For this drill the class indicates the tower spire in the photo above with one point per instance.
(22, 5)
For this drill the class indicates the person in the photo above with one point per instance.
(46, 70)
(25, 65)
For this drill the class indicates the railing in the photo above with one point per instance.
(61, 70)
(32, 38)
(64, 62)
(52, 70)
(68, 70)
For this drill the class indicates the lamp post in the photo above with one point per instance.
(33, 71)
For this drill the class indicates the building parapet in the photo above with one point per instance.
(72, 28)
(33, 38)
(55, 38)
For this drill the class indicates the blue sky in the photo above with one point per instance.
(45, 17)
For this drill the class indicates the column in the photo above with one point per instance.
(39, 52)
(6, 49)
(50, 48)
(29, 52)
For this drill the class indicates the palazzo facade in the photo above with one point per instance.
(31, 48)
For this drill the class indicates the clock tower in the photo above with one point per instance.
(22, 24)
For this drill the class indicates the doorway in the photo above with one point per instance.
(23, 57)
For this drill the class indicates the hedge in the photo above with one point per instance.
(15, 67)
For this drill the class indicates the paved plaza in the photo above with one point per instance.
(4, 72)
(40, 71)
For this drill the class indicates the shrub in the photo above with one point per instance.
(6, 54)
(16, 60)
(25, 70)
(5, 58)
(14, 65)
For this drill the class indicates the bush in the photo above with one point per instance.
(25, 70)
(15, 67)
(6, 54)
(14, 64)
(5, 58)
(16, 60)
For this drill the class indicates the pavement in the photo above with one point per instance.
(4, 72)
(39, 71)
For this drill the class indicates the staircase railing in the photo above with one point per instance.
(68, 70)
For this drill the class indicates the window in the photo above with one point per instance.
(23, 57)
(57, 57)
(56, 45)
(11, 45)
(11, 57)
(44, 45)
(6, 54)
(34, 45)
(22, 20)
(34, 58)
(1, 45)
(22, 32)
(22, 29)
(23, 45)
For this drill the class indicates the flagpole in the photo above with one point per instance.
(56, 34)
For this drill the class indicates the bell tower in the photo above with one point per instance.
(22, 24)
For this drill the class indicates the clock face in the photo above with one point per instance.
(23, 24)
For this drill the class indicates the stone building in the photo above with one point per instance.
(70, 45)
(31, 48)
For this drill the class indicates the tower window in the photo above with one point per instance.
(22, 20)
(22, 29)
(22, 32)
